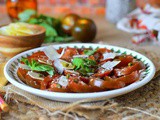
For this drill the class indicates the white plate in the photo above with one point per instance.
(11, 69)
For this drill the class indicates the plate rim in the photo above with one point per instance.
(111, 93)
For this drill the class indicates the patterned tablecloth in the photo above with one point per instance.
(142, 103)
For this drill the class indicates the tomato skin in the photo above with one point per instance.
(33, 82)
(124, 60)
(84, 79)
(69, 53)
(56, 89)
(84, 30)
(38, 55)
(45, 84)
(68, 22)
(60, 50)
(129, 69)
(102, 50)
(82, 88)
(21, 74)
(116, 83)
(102, 74)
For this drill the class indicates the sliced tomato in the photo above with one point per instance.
(60, 50)
(98, 55)
(38, 55)
(21, 74)
(102, 50)
(84, 79)
(69, 53)
(56, 89)
(129, 69)
(102, 73)
(124, 60)
(33, 82)
(81, 87)
(51, 84)
(115, 83)
(47, 81)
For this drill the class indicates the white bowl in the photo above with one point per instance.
(10, 72)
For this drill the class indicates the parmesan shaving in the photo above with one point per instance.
(80, 56)
(51, 53)
(109, 55)
(58, 66)
(63, 81)
(23, 66)
(110, 65)
(35, 75)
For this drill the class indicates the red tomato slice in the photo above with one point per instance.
(124, 60)
(82, 87)
(101, 73)
(38, 55)
(47, 80)
(129, 69)
(69, 53)
(21, 74)
(33, 82)
(102, 50)
(110, 83)
(56, 89)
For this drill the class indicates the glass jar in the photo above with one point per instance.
(14, 7)
(117, 9)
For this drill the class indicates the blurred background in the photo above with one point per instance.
(51, 7)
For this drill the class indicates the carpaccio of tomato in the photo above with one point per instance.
(88, 71)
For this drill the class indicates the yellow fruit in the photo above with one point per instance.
(16, 29)
(3, 80)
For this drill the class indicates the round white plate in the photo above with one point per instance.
(10, 72)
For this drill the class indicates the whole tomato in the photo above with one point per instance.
(84, 30)
(68, 22)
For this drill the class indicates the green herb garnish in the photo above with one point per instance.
(36, 66)
(84, 66)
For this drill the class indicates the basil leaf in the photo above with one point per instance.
(36, 66)
(25, 61)
(78, 62)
